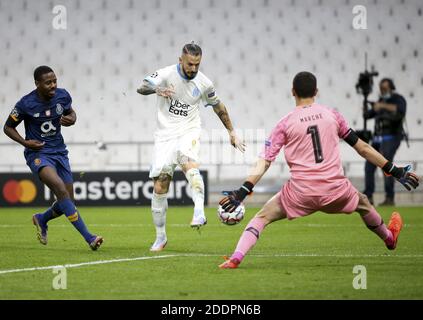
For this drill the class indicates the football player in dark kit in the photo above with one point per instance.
(44, 111)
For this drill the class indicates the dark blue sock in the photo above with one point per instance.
(67, 207)
(49, 214)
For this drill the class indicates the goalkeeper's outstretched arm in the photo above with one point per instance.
(234, 198)
(258, 171)
(403, 174)
(369, 153)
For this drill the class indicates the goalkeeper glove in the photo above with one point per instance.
(403, 174)
(234, 198)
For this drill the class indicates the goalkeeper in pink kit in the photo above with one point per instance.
(310, 137)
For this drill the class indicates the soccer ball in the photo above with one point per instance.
(231, 218)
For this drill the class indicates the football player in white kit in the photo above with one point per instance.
(181, 89)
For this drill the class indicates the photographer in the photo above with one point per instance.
(389, 113)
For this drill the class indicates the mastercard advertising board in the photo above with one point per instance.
(95, 189)
(20, 189)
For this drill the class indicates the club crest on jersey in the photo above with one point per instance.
(195, 92)
(59, 109)
(37, 161)
(48, 113)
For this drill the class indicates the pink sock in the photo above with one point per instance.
(375, 223)
(248, 238)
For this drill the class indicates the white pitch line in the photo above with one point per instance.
(95, 225)
(181, 225)
(288, 255)
(312, 255)
(90, 263)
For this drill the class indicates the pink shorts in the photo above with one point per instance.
(296, 204)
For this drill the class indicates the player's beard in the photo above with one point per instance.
(190, 77)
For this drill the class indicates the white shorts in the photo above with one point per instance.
(171, 153)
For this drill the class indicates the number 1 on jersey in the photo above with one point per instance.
(317, 145)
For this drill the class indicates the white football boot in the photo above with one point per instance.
(159, 244)
(198, 220)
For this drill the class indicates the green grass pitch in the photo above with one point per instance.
(309, 258)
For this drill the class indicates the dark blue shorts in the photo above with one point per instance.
(60, 162)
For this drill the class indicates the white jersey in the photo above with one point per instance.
(180, 114)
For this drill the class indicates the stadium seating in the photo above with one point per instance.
(252, 50)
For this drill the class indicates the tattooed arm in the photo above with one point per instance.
(147, 88)
(222, 113)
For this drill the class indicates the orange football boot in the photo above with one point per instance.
(229, 263)
(395, 226)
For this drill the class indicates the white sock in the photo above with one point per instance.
(158, 210)
(197, 189)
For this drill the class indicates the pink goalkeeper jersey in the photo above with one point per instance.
(310, 137)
